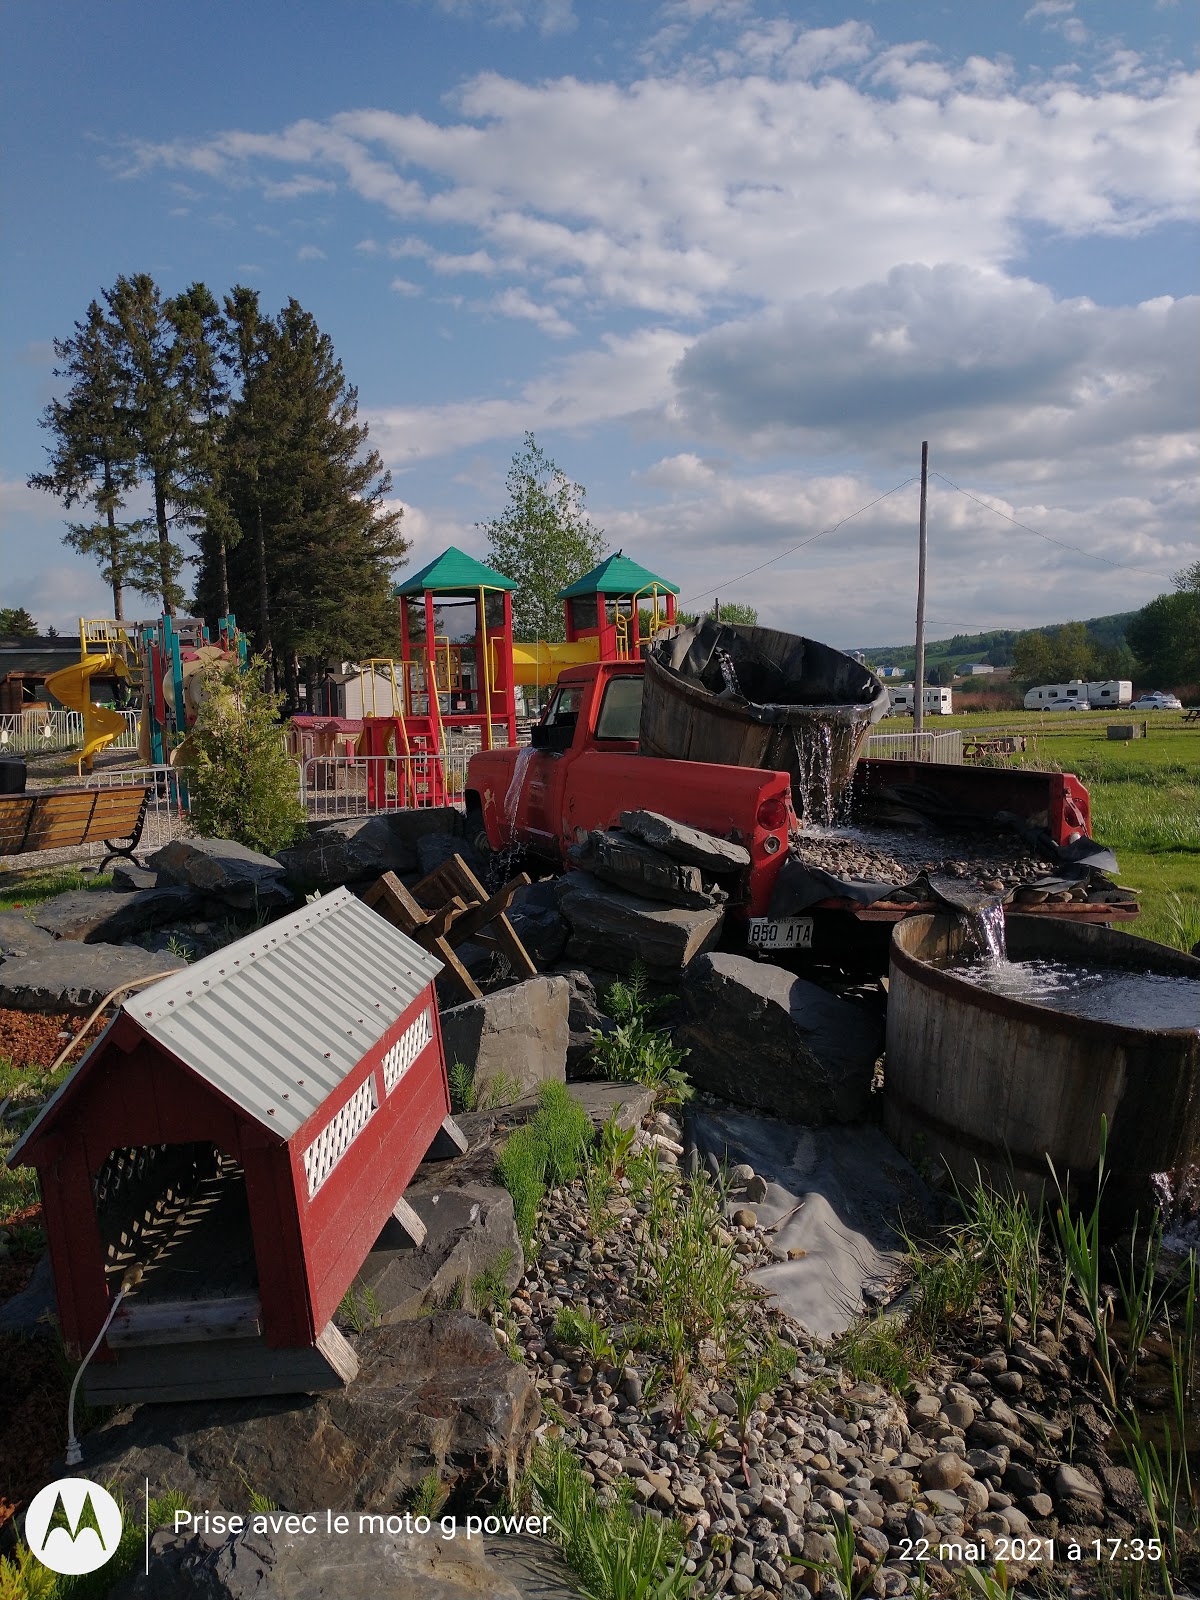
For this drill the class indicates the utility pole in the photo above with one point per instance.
(919, 671)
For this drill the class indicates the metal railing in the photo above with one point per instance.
(27, 733)
(364, 786)
(945, 749)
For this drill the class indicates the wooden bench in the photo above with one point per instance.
(59, 819)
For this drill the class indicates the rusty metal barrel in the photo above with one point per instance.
(754, 697)
(977, 1079)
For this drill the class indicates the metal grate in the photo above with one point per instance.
(331, 1144)
(406, 1049)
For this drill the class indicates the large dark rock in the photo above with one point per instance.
(716, 856)
(610, 929)
(539, 924)
(762, 1037)
(127, 876)
(435, 849)
(518, 1035)
(19, 936)
(615, 857)
(583, 1017)
(224, 870)
(436, 1394)
(108, 916)
(68, 976)
(358, 850)
(361, 1564)
(469, 1231)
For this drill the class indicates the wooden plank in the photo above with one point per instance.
(449, 1141)
(220, 1370)
(409, 1221)
(185, 1321)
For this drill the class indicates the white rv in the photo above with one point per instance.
(934, 701)
(1103, 692)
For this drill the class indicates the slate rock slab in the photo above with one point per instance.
(108, 916)
(68, 976)
(358, 850)
(676, 839)
(435, 849)
(538, 923)
(469, 1229)
(224, 870)
(19, 936)
(520, 1033)
(610, 928)
(583, 1015)
(436, 1394)
(359, 1565)
(127, 877)
(761, 1037)
(615, 857)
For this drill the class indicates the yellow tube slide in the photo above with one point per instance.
(72, 687)
(538, 662)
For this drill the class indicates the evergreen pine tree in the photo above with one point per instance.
(93, 456)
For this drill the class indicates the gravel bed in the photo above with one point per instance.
(896, 855)
(974, 1454)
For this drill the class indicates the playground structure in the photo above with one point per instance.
(460, 666)
(161, 664)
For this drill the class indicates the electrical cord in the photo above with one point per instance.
(131, 1279)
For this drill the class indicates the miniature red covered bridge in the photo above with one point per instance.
(242, 1130)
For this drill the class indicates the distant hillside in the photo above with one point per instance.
(995, 648)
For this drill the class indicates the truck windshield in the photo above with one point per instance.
(564, 708)
(621, 711)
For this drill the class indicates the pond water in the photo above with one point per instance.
(1105, 994)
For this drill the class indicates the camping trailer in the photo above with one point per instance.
(935, 701)
(1103, 692)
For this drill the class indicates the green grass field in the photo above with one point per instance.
(1145, 800)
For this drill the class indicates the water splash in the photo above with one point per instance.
(985, 929)
(1147, 1000)
(728, 671)
(814, 771)
(512, 795)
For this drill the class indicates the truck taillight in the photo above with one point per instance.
(773, 813)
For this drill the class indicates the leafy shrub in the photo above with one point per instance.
(241, 784)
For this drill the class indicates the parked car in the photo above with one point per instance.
(1064, 704)
(1157, 701)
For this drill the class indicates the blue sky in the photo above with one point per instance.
(730, 261)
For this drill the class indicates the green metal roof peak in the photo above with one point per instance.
(616, 574)
(453, 569)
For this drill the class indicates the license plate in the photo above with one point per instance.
(781, 933)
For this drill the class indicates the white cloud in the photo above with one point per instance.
(310, 252)
(516, 303)
(405, 286)
(547, 16)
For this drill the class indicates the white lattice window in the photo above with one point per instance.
(331, 1144)
(406, 1050)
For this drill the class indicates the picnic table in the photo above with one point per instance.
(57, 819)
(1005, 745)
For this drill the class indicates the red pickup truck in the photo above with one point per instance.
(582, 769)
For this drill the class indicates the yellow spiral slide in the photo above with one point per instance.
(71, 686)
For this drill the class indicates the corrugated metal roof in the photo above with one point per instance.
(454, 569)
(277, 1020)
(616, 574)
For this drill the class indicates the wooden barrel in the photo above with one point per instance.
(984, 1082)
(803, 707)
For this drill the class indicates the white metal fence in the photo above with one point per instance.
(361, 786)
(943, 748)
(28, 732)
(166, 813)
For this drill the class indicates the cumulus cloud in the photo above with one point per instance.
(310, 252)
(547, 16)
(516, 303)
(998, 367)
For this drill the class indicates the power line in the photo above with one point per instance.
(1061, 543)
(728, 582)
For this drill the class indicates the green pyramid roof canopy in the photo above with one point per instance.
(616, 575)
(453, 570)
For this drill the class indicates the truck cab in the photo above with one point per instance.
(582, 768)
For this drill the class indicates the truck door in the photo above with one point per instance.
(539, 774)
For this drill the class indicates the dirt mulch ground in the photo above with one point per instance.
(34, 1039)
(35, 1418)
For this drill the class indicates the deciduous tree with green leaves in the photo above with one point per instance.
(543, 540)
